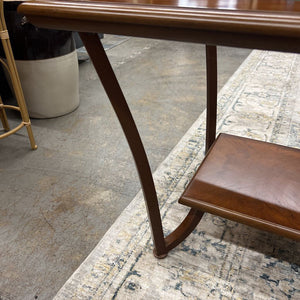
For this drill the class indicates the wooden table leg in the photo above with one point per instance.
(105, 72)
(211, 98)
(112, 88)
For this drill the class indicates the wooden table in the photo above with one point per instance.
(220, 186)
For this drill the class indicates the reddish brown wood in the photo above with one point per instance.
(211, 98)
(184, 229)
(249, 181)
(117, 99)
(101, 63)
(261, 24)
(240, 25)
(264, 5)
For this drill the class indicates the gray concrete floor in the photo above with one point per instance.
(57, 202)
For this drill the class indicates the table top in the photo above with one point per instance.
(277, 19)
(262, 5)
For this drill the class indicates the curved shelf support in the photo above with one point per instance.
(184, 229)
(113, 90)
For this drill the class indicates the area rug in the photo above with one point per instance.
(221, 259)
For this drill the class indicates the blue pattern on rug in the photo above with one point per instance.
(221, 259)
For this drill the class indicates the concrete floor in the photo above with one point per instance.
(57, 202)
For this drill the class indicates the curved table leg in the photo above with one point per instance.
(117, 99)
(109, 81)
(183, 230)
(15, 80)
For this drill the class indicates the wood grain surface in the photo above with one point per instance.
(250, 181)
(260, 24)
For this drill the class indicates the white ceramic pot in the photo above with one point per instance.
(50, 86)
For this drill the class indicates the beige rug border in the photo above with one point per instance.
(115, 228)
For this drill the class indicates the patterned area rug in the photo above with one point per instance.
(221, 259)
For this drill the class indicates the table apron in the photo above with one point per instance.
(209, 37)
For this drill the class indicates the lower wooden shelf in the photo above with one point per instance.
(251, 182)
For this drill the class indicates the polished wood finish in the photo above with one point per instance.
(117, 99)
(266, 25)
(108, 79)
(249, 181)
(258, 5)
(211, 95)
(184, 229)
(260, 24)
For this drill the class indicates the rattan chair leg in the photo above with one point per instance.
(10, 65)
(3, 117)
